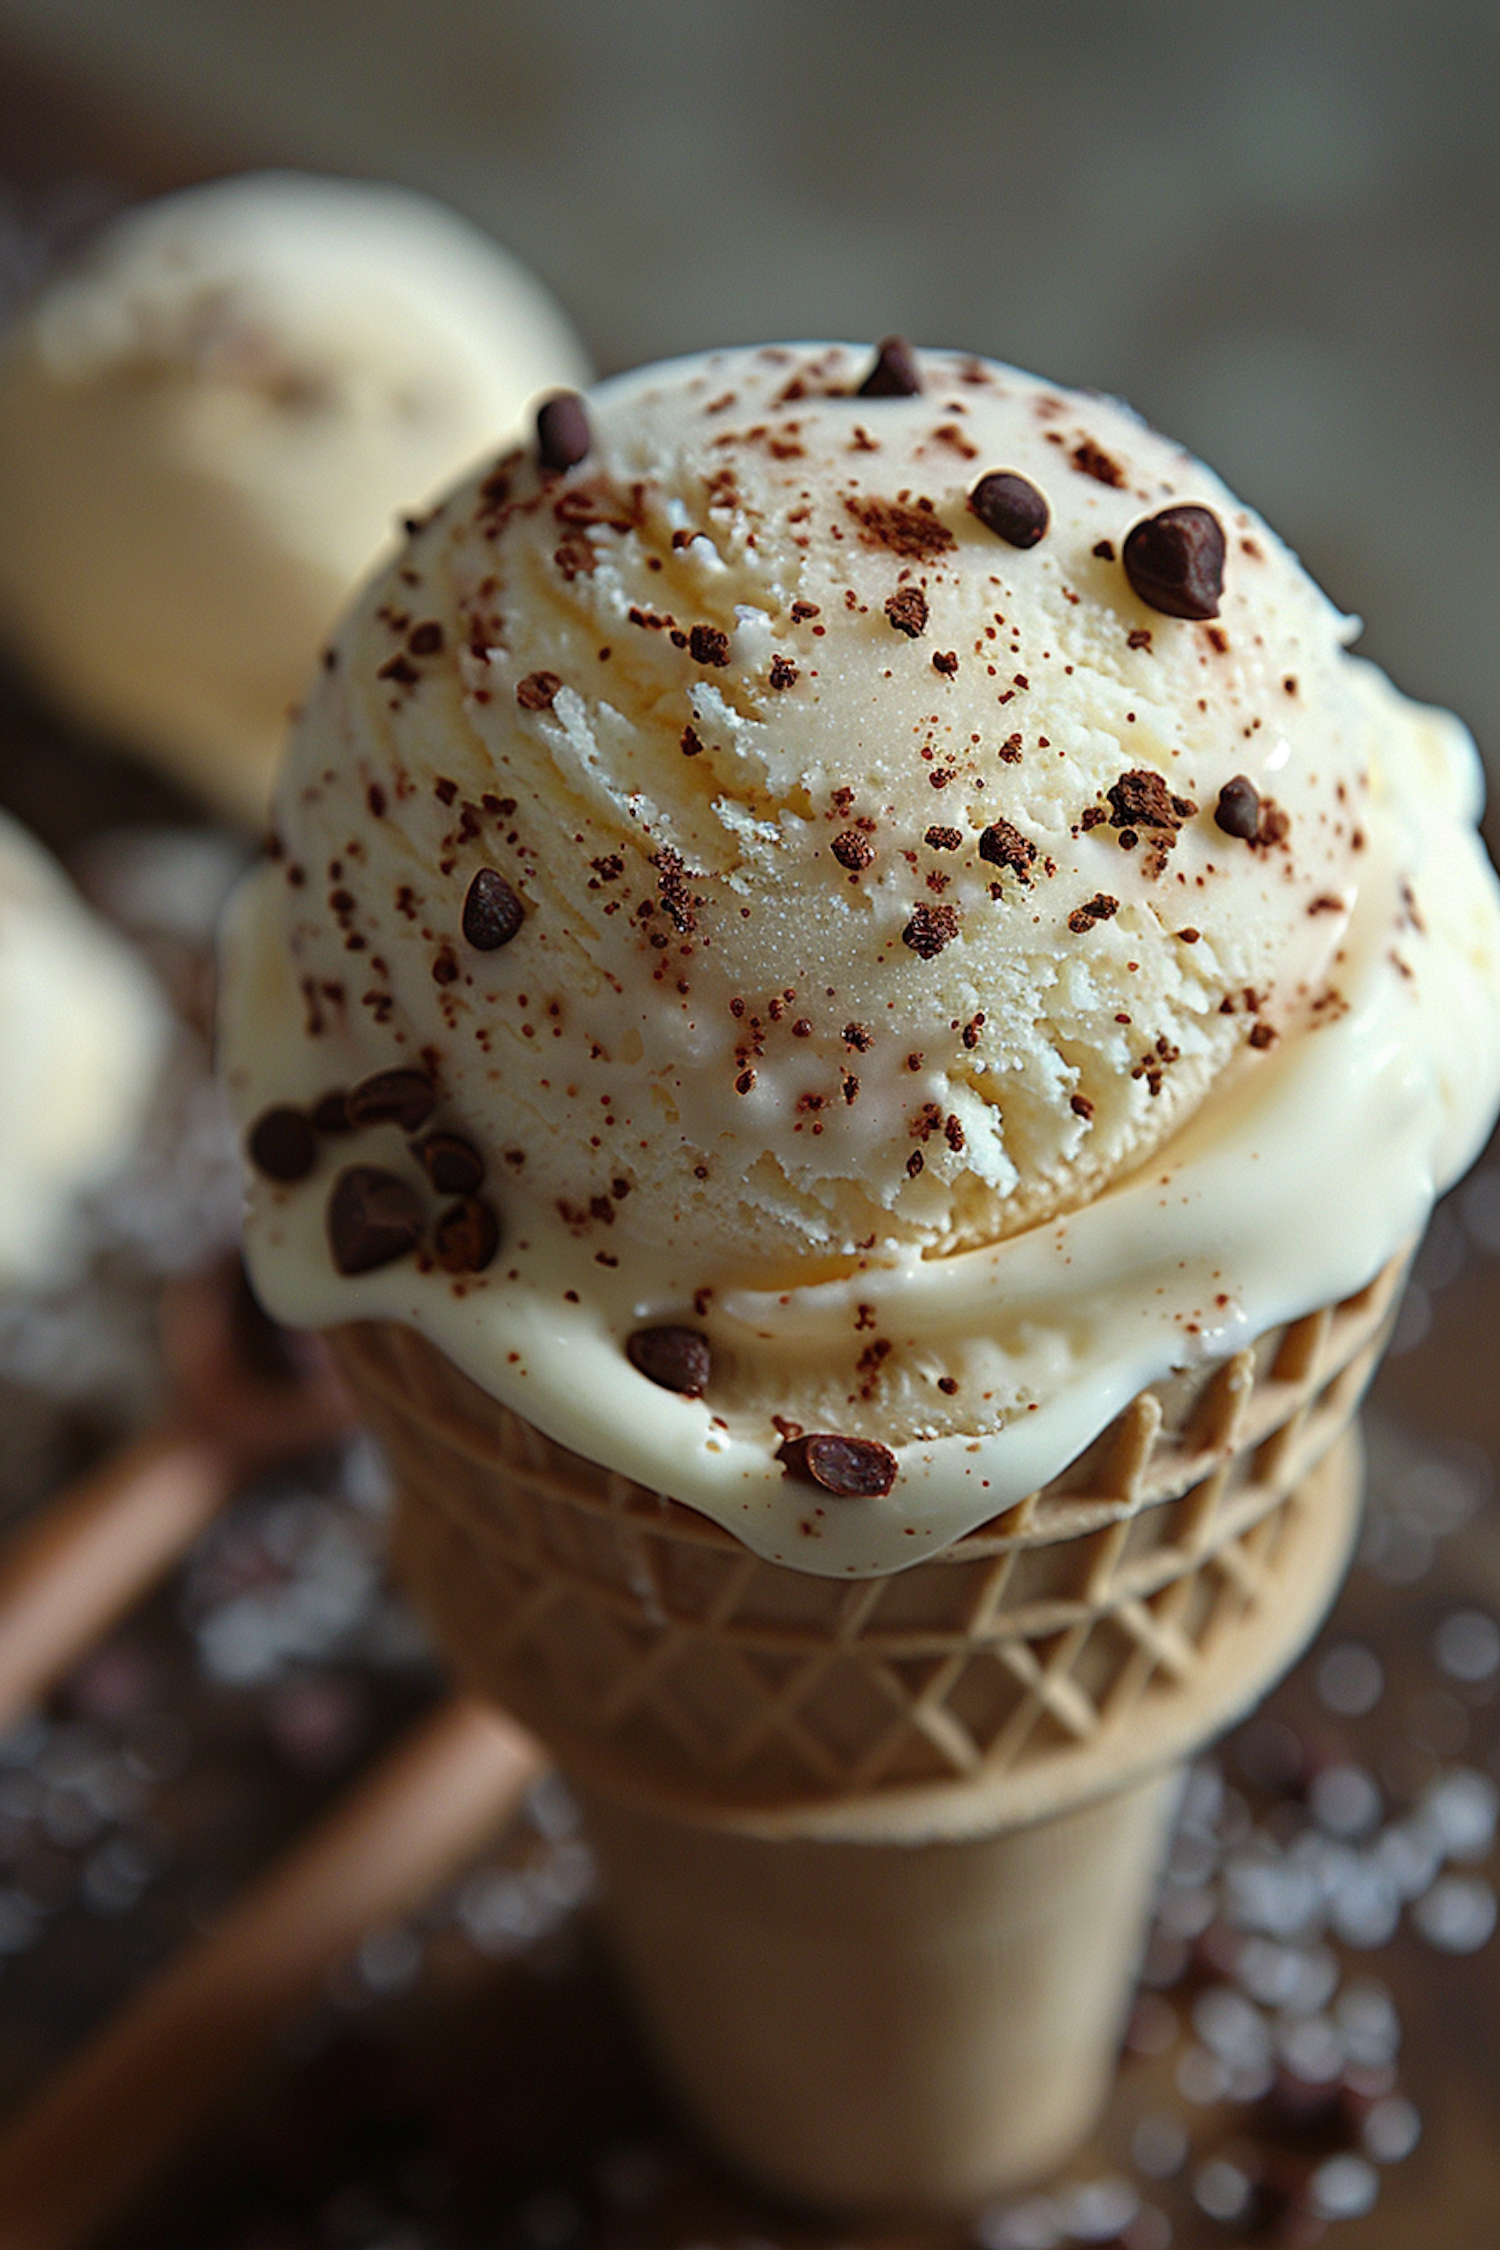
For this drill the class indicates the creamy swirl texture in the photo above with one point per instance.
(909, 890)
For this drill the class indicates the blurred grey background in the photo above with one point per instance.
(1274, 228)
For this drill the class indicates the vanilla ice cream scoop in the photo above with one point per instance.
(83, 1032)
(209, 424)
(875, 862)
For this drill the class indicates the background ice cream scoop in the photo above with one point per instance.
(83, 1032)
(208, 424)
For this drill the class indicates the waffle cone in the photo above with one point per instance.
(879, 1854)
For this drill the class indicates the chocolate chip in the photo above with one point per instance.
(563, 436)
(944, 839)
(1100, 908)
(852, 1468)
(895, 373)
(538, 691)
(467, 1236)
(330, 1112)
(678, 1359)
(1141, 799)
(492, 912)
(373, 1218)
(907, 611)
(1004, 846)
(281, 1143)
(425, 639)
(392, 1097)
(1238, 809)
(1011, 507)
(454, 1166)
(1175, 561)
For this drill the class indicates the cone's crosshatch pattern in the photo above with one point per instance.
(1104, 1625)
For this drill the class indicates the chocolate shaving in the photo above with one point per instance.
(281, 1143)
(563, 436)
(1175, 561)
(907, 611)
(373, 1219)
(678, 1359)
(707, 645)
(466, 1237)
(849, 1467)
(492, 912)
(392, 1097)
(1141, 799)
(895, 373)
(538, 691)
(912, 533)
(852, 850)
(454, 1165)
(1004, 846)
(1011, 507)
(1097, 909)
(930, 929)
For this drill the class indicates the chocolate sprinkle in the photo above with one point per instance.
(492, 912)
(1175, 561)
(392, 1097)
(678, 1359)
(454, 1166)
(895, 373)
(281, 1143)
(1238, 809)
(373, 1218)
(849, 1467)
(907, 611)
(563, 436)
(1011, 507)
(466, 1237)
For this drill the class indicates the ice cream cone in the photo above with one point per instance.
(879, 1854)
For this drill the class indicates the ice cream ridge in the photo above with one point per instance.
(835, 915)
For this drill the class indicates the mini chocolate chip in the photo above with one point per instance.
(895, 373)
(1175, 561)
(392, 1097)
(454, 1166)
(850, 1467)
(1238, 809)
(563, 436)
(1011, 507)
(492, 912)
(330, 1112)
(467, 1236)
(678, 1359)
(373, 1218)
(281, 1144)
